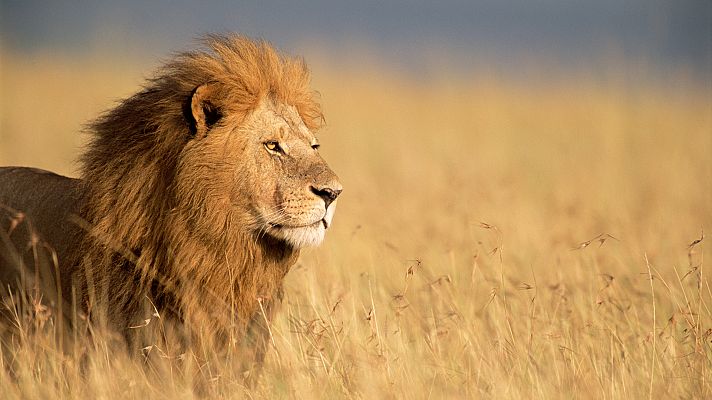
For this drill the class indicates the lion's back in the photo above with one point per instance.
(36, 209)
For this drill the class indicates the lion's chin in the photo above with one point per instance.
(308, 236)
(302, 237)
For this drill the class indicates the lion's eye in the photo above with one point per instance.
(273, 147)
(316, 146)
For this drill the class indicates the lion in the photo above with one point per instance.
(195, 197)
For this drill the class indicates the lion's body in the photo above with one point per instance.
(47, 201)
(196, 195)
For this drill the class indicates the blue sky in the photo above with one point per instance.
(663, 34)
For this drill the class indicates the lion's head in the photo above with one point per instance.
(266, 161)
(221, 141)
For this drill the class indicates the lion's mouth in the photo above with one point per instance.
(322, 221)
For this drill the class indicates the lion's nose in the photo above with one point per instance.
(327, 194)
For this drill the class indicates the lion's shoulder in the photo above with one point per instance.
(36, 205)
(26, 183)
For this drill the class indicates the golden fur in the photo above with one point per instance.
(195, 196)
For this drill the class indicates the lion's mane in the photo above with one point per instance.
(188, 257)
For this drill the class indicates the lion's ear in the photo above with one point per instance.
(201, 111)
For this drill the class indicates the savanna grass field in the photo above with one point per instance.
(497, 237)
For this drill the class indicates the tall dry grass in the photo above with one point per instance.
(496, 239)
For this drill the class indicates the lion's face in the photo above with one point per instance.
(276, 181)
(294, 191)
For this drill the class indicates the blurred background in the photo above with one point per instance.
(667, 43)
(111, 46)
(483, 145)
(665, 35)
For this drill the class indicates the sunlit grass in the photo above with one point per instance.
(495, 239)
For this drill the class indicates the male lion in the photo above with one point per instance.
(195, 196)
